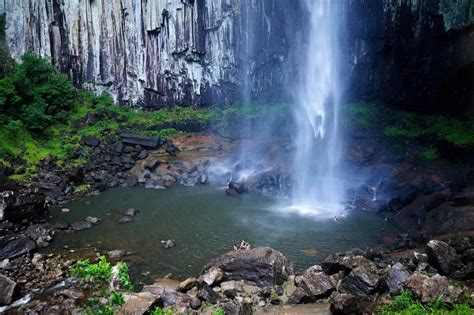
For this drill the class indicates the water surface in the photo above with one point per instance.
(206, 223)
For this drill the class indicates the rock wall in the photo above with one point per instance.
(154, 53)
(411, 53)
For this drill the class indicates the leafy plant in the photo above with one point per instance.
(406, 303)
(104, 300)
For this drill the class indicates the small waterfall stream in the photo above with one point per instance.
(316, 189)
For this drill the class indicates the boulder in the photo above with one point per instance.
(208, 295)
(81, 225)
(92, 220)
(169, 244)
(91, 141)
(317, 283)
(139, 303)
(212, 275)
(343, 303)
(131, 212)
(345, 262)
(360, 281)
(395, 278)
(142, 155)
(187, 284)
(7, 289)
(117, 253)
(15, 206)
(14, 246)
(262, 266)
(195, 303)
(429, 289)
(443, 257)
(147, 142)
(152, 164)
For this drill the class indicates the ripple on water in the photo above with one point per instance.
(206, 223)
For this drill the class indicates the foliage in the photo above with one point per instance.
(412, 128)
(406, 303)
(104, 300)
(218, 312)
(160, 311)
(36, 95)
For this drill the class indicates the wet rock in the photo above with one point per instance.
(152, 164)
(81, 225)
(396, 277)
(317, 283)
(261, 266)
(129, 215)
(232, 192)
(148, 142)
(169, 244)
(212, 275)
(7, 289)
(195, 303)
(139, 303)
(92, 220)
(15, 246)
(142, 155)
(187, 284)
(343, 303)
(131, 212)
(126, 219)
(208, 295)
(117, 254)
(299, 295)
(345, 262)
(16, 206)
(430, 288)
(61, 226)
(360, 281)
(72, 294)
(91, 141)
(443, 257)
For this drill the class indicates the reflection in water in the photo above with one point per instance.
(206, 223)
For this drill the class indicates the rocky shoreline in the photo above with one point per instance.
(427, 204)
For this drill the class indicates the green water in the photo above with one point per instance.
(206, 223)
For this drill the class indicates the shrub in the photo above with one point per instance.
(406, 303)
(36, 94)
(104, 299)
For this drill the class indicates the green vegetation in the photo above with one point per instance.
(104, 300)
(427, 132)
(43, 115)
(405, 303)
(167, 311)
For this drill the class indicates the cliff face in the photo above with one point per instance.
(414, 54)
(156, 53)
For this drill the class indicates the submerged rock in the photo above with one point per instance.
(92, 220)
(262, 266)
(81, 225)
(169, 244)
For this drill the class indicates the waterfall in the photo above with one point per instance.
(316, 186)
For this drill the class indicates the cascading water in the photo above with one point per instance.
(316, 188)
